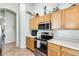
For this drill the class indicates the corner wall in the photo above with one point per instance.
(24, 23)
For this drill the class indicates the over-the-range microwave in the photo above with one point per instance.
(44, 26)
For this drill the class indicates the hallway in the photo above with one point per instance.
(11, 50)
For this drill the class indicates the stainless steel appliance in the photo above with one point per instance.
(44, 26)
(45, 36)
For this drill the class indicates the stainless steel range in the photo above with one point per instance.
(41, 42)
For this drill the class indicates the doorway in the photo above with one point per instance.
(10, 27)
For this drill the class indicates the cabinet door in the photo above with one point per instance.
(31, 24)
(71, 18)
(53, 52)
(27, 42)
(31, 44)
(56, 20)
(34, 23)
(41, 19)
(66, 54)
(47, 18)
(69, 52)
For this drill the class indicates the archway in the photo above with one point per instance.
(10, 25)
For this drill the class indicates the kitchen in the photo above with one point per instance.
(55, 33)
(40, 29)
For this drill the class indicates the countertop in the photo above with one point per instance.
(69, 44)
(31, 36)
(66, 43)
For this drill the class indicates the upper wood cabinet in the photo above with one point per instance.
(71, 18)
(64, 19)
(34, 23)
(47, 18)
(56, 19)
(41, 19)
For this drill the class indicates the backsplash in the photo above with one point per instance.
(67, 34)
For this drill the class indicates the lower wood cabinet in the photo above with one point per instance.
(66, 54)
(57, 50)
(30, 43)
(69, 52)
(53, 50)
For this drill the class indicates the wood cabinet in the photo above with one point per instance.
(53, 50)
(30, 24)
(47, 18)
(71, 18)
(34, 23)
(56, 20)
(64, 19)
(27, 42)
(41, 19)
(59, 50)
(30, 43)
(69, 52)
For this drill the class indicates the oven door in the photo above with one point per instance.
(43, 47)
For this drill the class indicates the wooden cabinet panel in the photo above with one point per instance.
(56, 20)
(27, 42)
(66, 54)
(53, 50)
(71, 18)
(30, 43)
(35, 26)
(30, 24)
(53, 46)
(41, 19)
(69, 52)
(47, 18)
(34, 23)
(56, 50)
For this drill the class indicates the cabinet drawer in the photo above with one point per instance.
(53, 46)
(70, 51)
